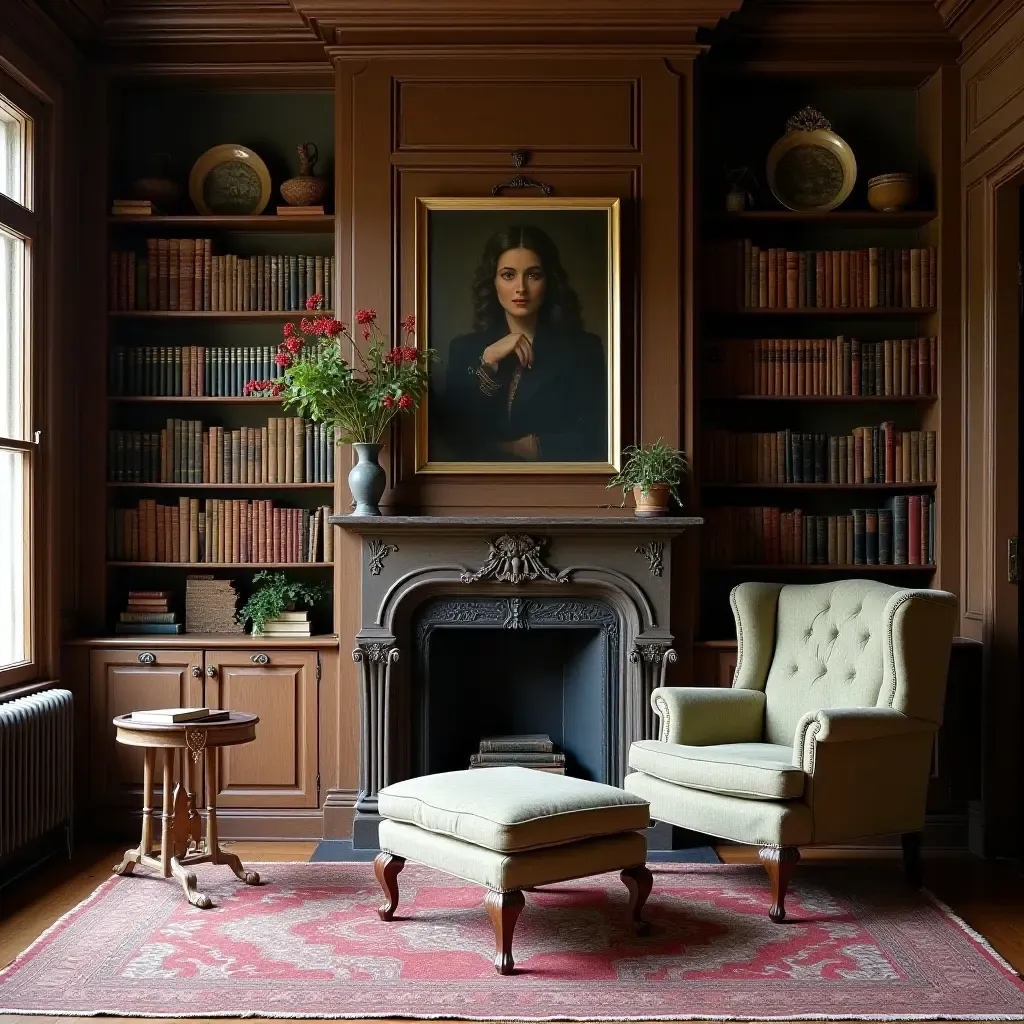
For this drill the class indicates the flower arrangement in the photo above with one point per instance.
(359, 401)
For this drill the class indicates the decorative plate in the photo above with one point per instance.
(811, 169)
(229, 179)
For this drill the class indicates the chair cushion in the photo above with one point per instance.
(510, 809)
(758, 771)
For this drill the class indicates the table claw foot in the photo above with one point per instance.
(189, 884)
(128, 862)
(232, 861)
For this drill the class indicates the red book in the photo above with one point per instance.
(914, 529)
(933, 365)
(890, 452)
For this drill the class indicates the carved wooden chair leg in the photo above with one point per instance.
(779, 862)
(504, 908)
(912, 859)
(638, 880)
(386, 867)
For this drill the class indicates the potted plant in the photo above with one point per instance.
(652, 472)
(359, 399)
(275, 593)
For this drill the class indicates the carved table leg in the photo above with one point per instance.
(213, 850)
(779, 862)
(133, 857)
(386, 867)
(504, 908)
(167, 818)
(638, 880)
(189, 884)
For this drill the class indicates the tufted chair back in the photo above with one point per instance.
(853, 643)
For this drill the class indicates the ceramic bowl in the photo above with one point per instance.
(890, 192)
(229, 180)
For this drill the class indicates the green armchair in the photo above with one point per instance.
(826, 734)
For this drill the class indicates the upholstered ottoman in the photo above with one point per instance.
(511, 829)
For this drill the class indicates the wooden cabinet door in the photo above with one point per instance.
(121, 681)
(278, 769)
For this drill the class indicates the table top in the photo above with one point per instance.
(235, 718)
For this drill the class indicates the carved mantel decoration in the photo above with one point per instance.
(506, 573)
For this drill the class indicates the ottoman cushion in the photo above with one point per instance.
(513, 809)
(505, 871)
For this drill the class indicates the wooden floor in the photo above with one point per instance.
(988, 895)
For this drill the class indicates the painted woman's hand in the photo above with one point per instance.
(501, 349)
(527, 447)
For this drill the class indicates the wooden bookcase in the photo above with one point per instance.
(890, 126)
(181, 120)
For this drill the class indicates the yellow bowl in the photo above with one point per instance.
(891, 192)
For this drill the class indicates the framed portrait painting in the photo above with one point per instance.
(519, 301)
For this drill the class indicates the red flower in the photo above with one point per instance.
(332, 328)
(366, 316)
(405, 402)
(283, 359)
(366, 334)
(276, 390)
(293, 345)
(314, 301)
(307, 326)
(289, 329)
(409, 323)
(387, 401)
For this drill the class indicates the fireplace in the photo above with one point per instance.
(474, 626)
(488, 666)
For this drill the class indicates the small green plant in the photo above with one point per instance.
(274, 594)
(650, 464)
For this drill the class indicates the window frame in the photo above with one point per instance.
(32, 222)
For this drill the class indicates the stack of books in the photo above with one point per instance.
(132, 208)
(210, 605)
(148, 611)
(179, 716)
(533, 750)
(300, 211)
(288, 624)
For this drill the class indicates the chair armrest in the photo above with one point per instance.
(851, 725)
(702, 715)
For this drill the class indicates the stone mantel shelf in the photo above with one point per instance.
(383, 525)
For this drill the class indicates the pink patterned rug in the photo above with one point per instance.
(308, 943)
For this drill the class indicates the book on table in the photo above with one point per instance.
(179, 716)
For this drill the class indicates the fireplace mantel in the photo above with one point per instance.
(625, 561)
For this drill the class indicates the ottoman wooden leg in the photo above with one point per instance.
(638, 880)
(504, 908)
(386, 867)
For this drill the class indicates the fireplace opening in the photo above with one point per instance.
(534, 672)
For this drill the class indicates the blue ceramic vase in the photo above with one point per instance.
(367, 480)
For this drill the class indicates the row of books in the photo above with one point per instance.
(821, 366)
(219, 530)
(742, 275)
(148, 611)
(288, 450)
(533, 750)
(900, 533)
(189, 370)
(879, 454)
(183, 274)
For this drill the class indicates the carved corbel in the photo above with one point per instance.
(652, 660)
(375, 659)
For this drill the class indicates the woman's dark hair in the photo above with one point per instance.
(561, 306)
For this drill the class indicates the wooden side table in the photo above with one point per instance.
(181, 844)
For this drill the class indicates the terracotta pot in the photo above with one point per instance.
(306, 189)
(653, 502)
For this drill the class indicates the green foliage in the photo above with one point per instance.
(650, 464)
(274, 594)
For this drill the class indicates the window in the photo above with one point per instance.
(19, 236)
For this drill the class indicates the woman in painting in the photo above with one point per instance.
(529, 383)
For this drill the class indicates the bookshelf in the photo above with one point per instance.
(175, 375)
(807, 418)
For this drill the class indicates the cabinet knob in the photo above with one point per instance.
(211, 671)
(145, 658)
(260, 659)
(196, 671)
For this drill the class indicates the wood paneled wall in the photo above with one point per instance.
(992, 125)
(444, 125)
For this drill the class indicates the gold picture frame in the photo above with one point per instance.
(453, 234)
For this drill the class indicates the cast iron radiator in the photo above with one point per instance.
(35, 768)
